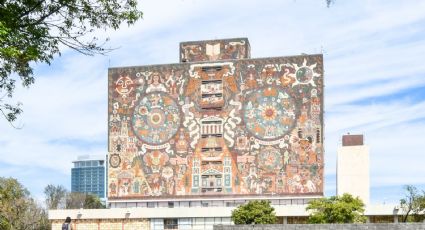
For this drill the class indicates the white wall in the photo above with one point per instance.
(353, 171)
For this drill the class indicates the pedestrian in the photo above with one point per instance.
(67, 224)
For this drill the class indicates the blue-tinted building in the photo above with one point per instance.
(88, 175)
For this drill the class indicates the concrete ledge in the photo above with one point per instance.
(188, 212)
(400, 226)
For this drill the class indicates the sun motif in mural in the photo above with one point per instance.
(156, 119)
(305, 74)
(269, 113)
(124, 85)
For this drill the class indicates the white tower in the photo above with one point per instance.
(353, 167)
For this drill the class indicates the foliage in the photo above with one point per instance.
(55, 196)
(35, 30)
(254, 212)
(76, 200)
(93, 202)
(336, 209)
(17, 209)
(58, 197)
(413, 205)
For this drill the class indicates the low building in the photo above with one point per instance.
(199, 217)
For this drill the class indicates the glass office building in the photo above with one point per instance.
(88, 175)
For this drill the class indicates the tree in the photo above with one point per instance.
(58, 197)
(413, 205)
(55, 196)
(329, 2)
(76, 200)
(254, 212)
(17, 209)
(93, 202)
(34, 31)
(336, 209)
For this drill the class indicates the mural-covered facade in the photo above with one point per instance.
(217, 124)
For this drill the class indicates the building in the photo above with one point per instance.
(190, 218)
(189, 142)
(353, 167)
(217, 125)
(88, 175)
(216, 130)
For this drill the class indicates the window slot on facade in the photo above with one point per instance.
(212, 122)
(211, 81)
(211, 95)
(211, 68)
(211, 135)
(204, 204)
(210, 150)
(219, 149)
(213, 108)
(170, 224)
(151, 204)
(318, 135)
(211, 163)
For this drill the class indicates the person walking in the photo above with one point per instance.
(67, 224)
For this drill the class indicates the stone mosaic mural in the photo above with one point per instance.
(213, 50)
(226, 127)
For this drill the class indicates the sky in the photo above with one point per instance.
(374, 82)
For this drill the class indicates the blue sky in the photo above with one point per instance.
(374, 82)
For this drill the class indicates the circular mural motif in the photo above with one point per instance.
(156, 119)
(114, 160)
(270, 159)
(269, 113)
(304, 74)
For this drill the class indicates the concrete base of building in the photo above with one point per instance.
(192, 217)
(370, 226)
